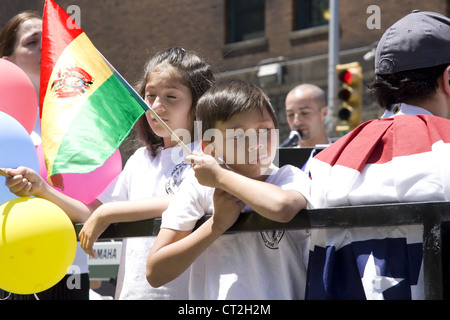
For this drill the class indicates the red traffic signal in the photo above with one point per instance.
(350, 94)
(345, 76)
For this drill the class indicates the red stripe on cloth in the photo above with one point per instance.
(379, 141)
(54, 18)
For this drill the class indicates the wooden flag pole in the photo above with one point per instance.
(3, 173)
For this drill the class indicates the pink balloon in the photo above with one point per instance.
(86, 187)
(17, 95)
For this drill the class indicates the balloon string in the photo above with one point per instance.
(9, 294)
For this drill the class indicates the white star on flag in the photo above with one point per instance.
(375, 284)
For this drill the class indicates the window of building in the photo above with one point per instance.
(245, 20)
(311, 13)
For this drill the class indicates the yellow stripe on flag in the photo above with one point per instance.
(68, 89)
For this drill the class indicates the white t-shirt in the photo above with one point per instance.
(145, 176)
(254, 265)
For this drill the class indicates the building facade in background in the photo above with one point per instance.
(275, 43)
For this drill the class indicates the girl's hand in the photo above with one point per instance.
(92, 229)
(24, 182)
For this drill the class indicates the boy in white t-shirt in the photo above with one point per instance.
(239, 130)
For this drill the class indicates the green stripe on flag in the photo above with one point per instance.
(103, 123)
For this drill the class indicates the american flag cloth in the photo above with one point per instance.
(401, 157)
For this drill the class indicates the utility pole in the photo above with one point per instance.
(333, 60)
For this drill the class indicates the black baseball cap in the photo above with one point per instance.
(419, 40)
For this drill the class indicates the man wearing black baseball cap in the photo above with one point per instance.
(412, 63)
(402, 157)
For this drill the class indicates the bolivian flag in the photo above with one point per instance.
(87, 109)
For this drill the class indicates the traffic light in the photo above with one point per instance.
(350, 93)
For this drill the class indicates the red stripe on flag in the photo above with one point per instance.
(54, 18)
(379, 141)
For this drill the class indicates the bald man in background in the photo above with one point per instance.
(306, 110)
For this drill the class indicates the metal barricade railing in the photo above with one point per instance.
(433, 216)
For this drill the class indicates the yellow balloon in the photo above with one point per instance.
(37, 245)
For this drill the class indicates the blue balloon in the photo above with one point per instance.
(16, 149)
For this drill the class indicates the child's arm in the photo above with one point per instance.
(264, 198)
(25, 182)
(174, 251)
(120, 211)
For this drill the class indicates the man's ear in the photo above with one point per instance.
(447, 79)
(208, 148)
(324, 111)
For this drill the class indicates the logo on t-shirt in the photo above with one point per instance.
(176, 177)
(272, 238)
